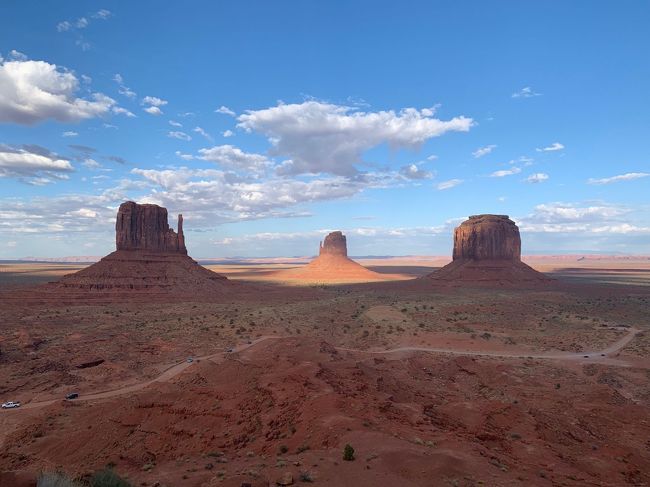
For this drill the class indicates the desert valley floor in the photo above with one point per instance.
(430, 384)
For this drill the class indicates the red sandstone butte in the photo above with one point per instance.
(150, 256)
(332, 265)
(487, 249)
(145, 227)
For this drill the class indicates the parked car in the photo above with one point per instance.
(10, 404)
(72, 395)
(190, 360)
(229, 350)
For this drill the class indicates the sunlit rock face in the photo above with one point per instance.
(334, 244)
(487, 237)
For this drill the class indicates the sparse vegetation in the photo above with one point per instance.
(348, 453)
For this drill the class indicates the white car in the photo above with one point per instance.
(10, 405)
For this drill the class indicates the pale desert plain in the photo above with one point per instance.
(264, 381)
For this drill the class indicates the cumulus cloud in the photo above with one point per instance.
(185, 157)
(555, 146)
(227, 133)
(122, 88)
(538, 177)
(173, 123)
(225, 110)
(152, 105)
(569, 218)
(35, 91)
(69, 133)
(32, 164)
(526, 92)
(320, 137)
(450, 183)
(505, 172)
(153, 111)
(177, 134)
(621, 177)
(123, 111)
(412, 171)
(211, 196)
(232, 157)
(483, 151)
(202, 132)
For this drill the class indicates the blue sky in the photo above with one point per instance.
(268, 124)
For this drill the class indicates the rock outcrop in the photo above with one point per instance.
(334, 244)
(145, 227)
(332, 265)
(487, 237)
(150, 257)
(487, 250)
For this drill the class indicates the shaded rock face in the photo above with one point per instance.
(334, 244)
(487, 237)
(145, 227)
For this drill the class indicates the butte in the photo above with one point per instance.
(149, 257)
(332, 265)
(487, 250)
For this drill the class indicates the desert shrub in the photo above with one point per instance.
(306, 477)
(55, 480)
(348, 453)
(108, 478)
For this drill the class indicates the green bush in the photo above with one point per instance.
(108, 478)
(348, 453)
(55, 480)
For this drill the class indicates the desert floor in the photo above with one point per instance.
(447, 386)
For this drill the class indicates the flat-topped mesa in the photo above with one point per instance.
(334, 244)
(145, 227)
(487, 237)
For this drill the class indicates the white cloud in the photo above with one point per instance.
(412, 171)
(228, 133)
(572, 218)
(432, 157)
(526, 92)
(123, 90)
(63, 26)
(555, 146)
(185, 157)
(35, 91)
(449, 184)
(320, 137)
(153, 111)
(81, 23)
(154, 101)
(102, 14)
(175, 124)
(69, 133)
(202, 132)
(33, 164)
(91, 163)
(505, 172)
(17, 55)
(177, 134)
(621, 177)
(539, 177)
(225, 110)
(84, 213)
(483, 151)
(232, 157)
(123, 111)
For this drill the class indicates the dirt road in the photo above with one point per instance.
(602, 356)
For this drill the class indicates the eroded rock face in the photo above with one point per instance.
(334, 244)
(145, 227)
(487, 237)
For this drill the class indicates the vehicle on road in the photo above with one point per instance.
(229, 350)
(10, 404)
(190, 360)
(72, 395)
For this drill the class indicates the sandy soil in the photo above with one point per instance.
(503, 394)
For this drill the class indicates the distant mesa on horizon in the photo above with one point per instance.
(332, 265)
(487, 250)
